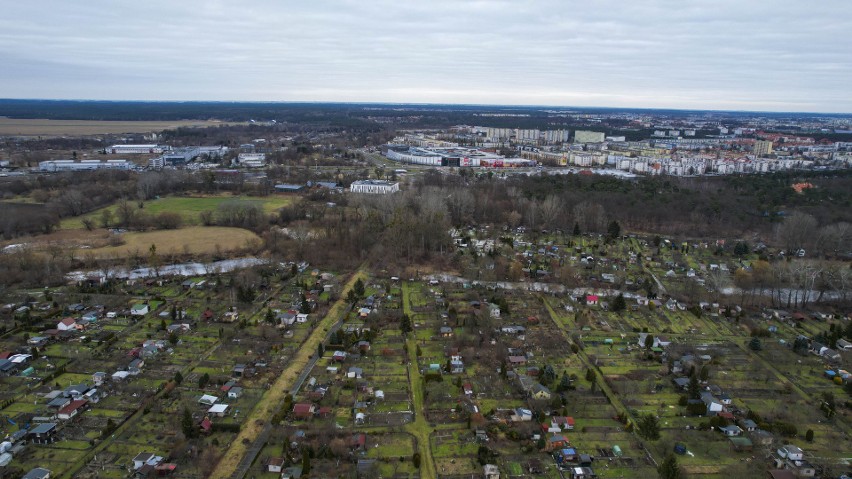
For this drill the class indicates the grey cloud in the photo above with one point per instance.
(781, 55)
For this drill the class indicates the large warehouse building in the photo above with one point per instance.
(71, 165)
(136, 149)
(456, 156)
(375, 187)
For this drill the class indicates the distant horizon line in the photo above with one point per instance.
(425, 104)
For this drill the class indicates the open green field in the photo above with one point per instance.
(188, 208)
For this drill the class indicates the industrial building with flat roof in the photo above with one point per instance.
(251, 160)
(455, 156)
(181, 156)
(84, 165)
(375, 187)
(136, 149)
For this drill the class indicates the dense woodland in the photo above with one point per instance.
(355, 115)
(725, 207)
(412, 227)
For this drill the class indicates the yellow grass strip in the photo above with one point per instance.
(419, 428)
(40, 127)
(272, 399)
(193, 240)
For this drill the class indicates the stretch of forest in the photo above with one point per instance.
(413, 226)
(359, 115)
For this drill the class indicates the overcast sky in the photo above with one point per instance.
(722, 54)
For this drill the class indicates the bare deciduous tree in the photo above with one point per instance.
(73, 202)
(718, 280)
(125, 211)
(796, 230)
(550, 209)
(590, 216)
(833, 239)
(461, 204)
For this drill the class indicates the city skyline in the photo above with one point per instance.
(762, 56)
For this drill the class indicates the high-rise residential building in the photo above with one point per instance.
(527, 135)
(556, 136)
(499, 133)
(762, 147)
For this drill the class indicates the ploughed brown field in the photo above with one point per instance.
(34, 127)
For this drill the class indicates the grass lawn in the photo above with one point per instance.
(75, 445)
(188, 208)
(515, 469)
(109, 413)
(20, 407)
(391, 447)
